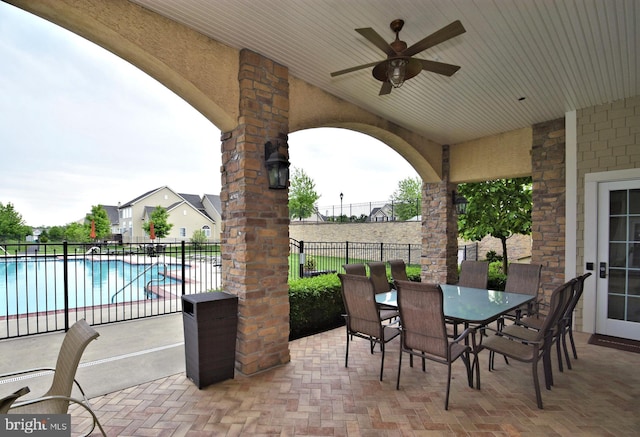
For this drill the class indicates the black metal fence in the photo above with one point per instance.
(314, 258)
(47, 287)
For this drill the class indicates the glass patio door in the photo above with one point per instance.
(618, 269)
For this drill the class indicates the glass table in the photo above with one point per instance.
(470, 306)
(467, 305)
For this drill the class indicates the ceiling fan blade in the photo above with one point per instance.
(439, 67)
(349, 70)
(447, 32)
(376, 40)
(385, 89)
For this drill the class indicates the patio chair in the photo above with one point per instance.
(523, 279)
(398, 270)
(363, 317)
(526, 327)
(565, 323)
(378, 276)
(474, 274)
(7, 401)
(533, 349)
(57, 399)
(355, 269)
(423, 332)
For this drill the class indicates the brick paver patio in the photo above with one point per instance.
(315, 395)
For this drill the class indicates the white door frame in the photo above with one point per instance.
(590, 236)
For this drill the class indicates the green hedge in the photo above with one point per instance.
(316, 303)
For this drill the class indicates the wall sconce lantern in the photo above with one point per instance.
(277, 164)
(460, 202)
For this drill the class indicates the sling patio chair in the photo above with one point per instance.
(474, 274)
(565, 323)
(363, 317)
(526, 327)
(7, 401)
(398, 270)
(58, 398)
(423, 332)
(533, 349)
(378, 276)
(523, 279)
(355, 269)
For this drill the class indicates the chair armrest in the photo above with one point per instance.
(83, 403)
(464, 335)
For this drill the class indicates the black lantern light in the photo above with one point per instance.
(460, 202)
(277, 164)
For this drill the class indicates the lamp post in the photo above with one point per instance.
(341, 196)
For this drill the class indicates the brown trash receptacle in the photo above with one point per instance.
(210, 323)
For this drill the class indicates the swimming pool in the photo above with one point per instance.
(30, 285)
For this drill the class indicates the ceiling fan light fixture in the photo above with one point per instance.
(396, 71)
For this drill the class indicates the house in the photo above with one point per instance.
(187, 213)
(383, 214)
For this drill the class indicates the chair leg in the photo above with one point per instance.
(573, 344)
(399, 367)
(382, 359)
(446, 399)
(559, 352)
(346, 356)
(536, 383)
(565, 349)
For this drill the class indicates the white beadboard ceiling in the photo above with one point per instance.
(559, 55)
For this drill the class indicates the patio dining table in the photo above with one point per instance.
(470, 306)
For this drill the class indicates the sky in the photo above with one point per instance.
(79, 127)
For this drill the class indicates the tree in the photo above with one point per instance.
(198, 238)
(101, 221)
(302, 195)
(500, 208)
(160, 219)
(56, 233)
(12, 225)
(407, 199)
(76, 233)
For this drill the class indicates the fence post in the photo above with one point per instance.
(301, 260)
(65, 276)
(346, 252)
(382, 252)
(409, 255)
(184, 268)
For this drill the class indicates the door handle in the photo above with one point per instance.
(603, 270)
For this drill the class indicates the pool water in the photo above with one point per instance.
(30, 285)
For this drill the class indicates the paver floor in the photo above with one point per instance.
(315, 395)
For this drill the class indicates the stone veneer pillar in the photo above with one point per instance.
(548, 215)
(255, 234)
(439, 229)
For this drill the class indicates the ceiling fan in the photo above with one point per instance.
(400, 64)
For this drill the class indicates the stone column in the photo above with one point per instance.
(548, 214)
(255, 234)
(439, 229)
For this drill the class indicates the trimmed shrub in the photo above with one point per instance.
(315, 305)
(497, 278)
